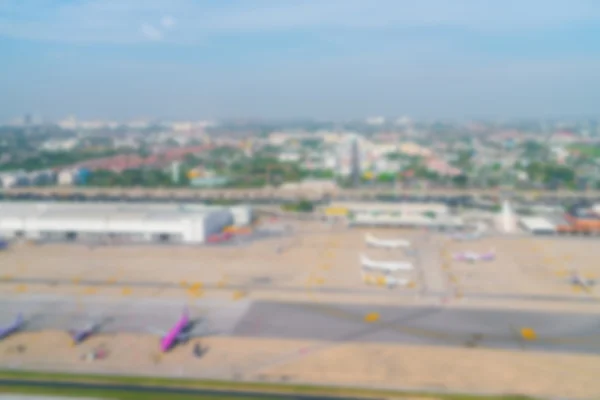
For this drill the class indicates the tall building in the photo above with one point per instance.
(355, 162)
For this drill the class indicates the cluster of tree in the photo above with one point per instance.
(551, 174)
(45, 160)
(260, 171)
(299, 206)
(133, 178)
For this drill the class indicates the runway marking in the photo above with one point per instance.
(21, 289)
(90, 291)
(238, 294)
(528, 334)
(371, 317)
(195, 293)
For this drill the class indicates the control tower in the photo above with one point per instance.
(506, 220)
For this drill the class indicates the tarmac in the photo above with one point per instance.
(546, 331)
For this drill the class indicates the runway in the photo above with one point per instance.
(419, 325)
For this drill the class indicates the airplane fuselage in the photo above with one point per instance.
(4, 333)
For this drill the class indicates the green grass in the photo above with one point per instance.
(112, 394)
(207, 384)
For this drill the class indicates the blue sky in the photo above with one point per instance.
(196, 59)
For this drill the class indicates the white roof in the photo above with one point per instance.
(537, 224)
(392, 207)
(102, 211)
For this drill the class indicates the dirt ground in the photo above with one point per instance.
(526, 266)
(316, 256)
(349, 364)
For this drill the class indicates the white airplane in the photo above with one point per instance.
(384, 266)
(471, 256)
(385, 243)
(80, 335)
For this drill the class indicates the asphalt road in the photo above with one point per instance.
(446, 326)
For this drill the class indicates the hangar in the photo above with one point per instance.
(127, 222)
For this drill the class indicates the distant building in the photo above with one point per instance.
(415, 215)
(74, 176)
(355, 163)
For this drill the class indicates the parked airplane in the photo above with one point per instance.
(385, 243)
(179, 333)
(585, 283)
(384, 266)
(472, 256)
(12, 328)
(79, 336)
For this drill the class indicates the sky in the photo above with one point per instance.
(325, 59)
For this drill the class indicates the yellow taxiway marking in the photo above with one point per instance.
(381, 281)
(372, 317)
(238, 294)
(368, 279)
(183, 284)
(411, 285)
(126, 291)
(21, 288)
(221, 284)
(319, 281)
(196, 286)
(90, 290)
(528, 334)
(111, 281)
(561, 273)
(195, 293)
(76, 281)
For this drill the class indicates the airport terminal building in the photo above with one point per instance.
(409, 215)
(125, 222)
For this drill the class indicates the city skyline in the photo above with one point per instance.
(330, 59)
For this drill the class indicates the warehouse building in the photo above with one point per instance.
(415, 215)
(149, 223)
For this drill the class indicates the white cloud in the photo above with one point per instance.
(150, 32)
(168, 22)
(116, 21)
